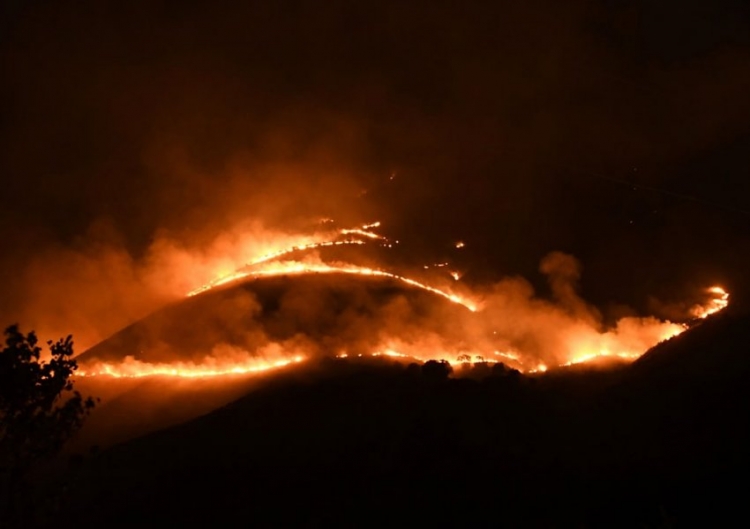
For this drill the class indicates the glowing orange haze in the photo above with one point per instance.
(628, 340)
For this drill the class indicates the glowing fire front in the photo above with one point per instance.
(351, 236)
(132, 368)
(719, 301)
(578, 344)
(268, 265)
(296, 267)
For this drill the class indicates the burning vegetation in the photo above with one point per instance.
(288, 304)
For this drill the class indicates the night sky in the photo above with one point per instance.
(616, 131)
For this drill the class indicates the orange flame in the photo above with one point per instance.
(132, 368)
(719, 300)
(256, 268)
(580, 344)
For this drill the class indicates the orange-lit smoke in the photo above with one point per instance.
(506, 323)
(719, 299)
(94, 288)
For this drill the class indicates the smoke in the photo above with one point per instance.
(323, 312)
(96, 286)
(264, 324)
(145, 153)
(563, 272)
(565, 328)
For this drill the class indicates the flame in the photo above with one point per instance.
(240, 273)
(509, 356)
(628, 341)
(579, 344)
(132, 368)
(719, 300)
(243, 253)
(623, 342)
(298, 267)
(265, 267)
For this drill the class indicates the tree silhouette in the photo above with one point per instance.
(39, 410)
(436, 370)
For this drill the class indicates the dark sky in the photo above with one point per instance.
(616, 131)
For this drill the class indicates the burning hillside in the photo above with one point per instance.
(290, 304)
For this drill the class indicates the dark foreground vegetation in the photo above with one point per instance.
(661, 443)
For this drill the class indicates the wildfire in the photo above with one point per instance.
(364, 231)
(719, 300)
(132, 368)
(241, 273)
(341, 237)
(267, 265)
(627, 342)
(316, 241)
(578, 343)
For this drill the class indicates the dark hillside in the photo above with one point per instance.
(352, 443)
(315, 312)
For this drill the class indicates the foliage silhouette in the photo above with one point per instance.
(436, 370)
(39, 409)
